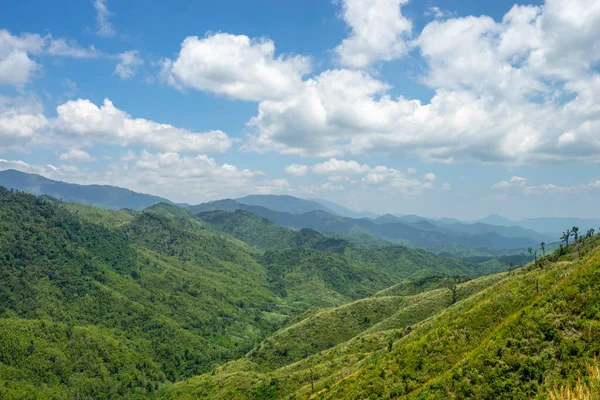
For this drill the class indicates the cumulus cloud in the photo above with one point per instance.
(20, 120)
(519, 91)
(105, 27)
(16, 65)
(296, 169)
(430, 177)
(75, 154)
(515, 181)
(83, 120)
(82, 123)
(235, 66)
(17, 53)
(128, 63)
(378, 32)
(522, 185)
(334, 166)
(191, 179)
(378, 178)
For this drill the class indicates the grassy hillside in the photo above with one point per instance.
(512, 336)
(99, 304)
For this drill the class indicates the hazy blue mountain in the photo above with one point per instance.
(345, 212)
(282, 203)
(386, 218)
(479, 228)
(498, 220)
(110, 197)
(548, 225)
(422, 234)
(555, 226)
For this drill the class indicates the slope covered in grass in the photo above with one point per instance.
(511, 336)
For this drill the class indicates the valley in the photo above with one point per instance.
(219, 301)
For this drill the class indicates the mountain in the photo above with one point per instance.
(97, 303)
(386, 218)
(104, 196)
(263, 234)
(497, 220)
(423, 233)
(555, 226)
(345, 212)
(281, 203)
(522, 334)
(549, 226)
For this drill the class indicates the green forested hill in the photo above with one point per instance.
(102, 304)
(183, 302)
(504, 336)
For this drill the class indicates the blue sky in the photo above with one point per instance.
(449, 108)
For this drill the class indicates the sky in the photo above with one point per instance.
(441, 108)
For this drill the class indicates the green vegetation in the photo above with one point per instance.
(162, 303)
(516, 336)
(118, 303)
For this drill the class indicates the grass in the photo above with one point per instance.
(509, 337)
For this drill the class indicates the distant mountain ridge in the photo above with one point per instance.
(105, 196)
(548, 225)
(422, 233)
(283, 203)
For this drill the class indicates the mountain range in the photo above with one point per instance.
(493, 235)
(228, 300)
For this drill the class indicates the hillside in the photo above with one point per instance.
(104, 196)
(512, 335)
(99, 303)
(263, 234)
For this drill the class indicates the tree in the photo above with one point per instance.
(453, 291)
(575, 231)
(565, 237)
(533, 253)
(590, 233)
(543, 244)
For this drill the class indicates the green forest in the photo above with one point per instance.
(166, 304)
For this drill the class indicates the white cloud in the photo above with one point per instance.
(378, 178)
(70, 48)
(16, 66)
(185, 178)
(521, 185)
(178, 178)
(515, 181)
(128, 63)
(235, 66)
(75, 154)
(296, 169)
(430, 177)
(334, 166)
(439, 13)
(20, 120)
(85, 122)
(378, 32)
(504, 92)
(105, 27)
